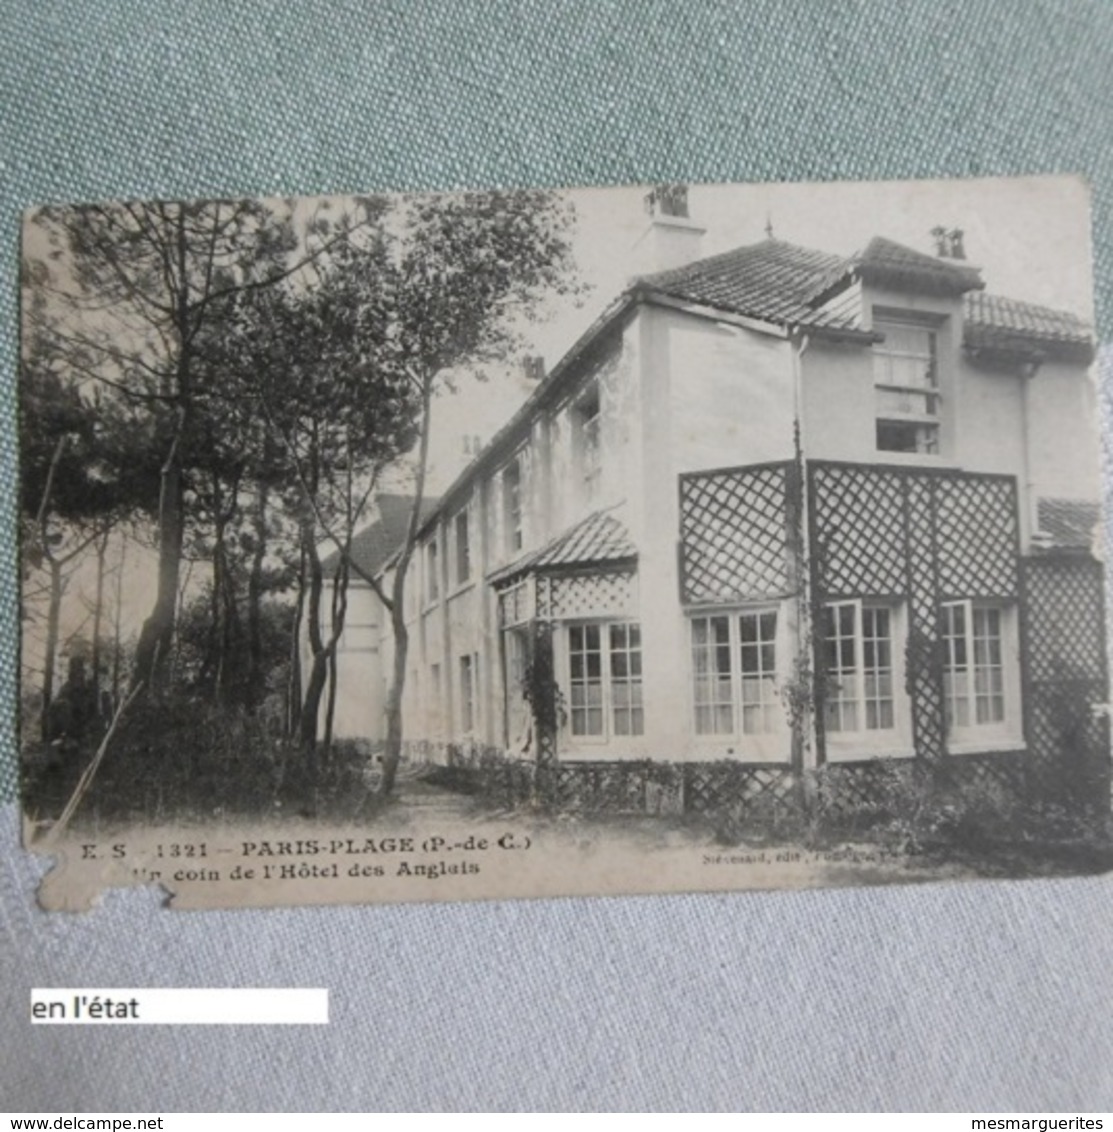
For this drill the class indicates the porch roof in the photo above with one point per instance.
(600, 538)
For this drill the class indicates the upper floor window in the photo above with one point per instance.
(432, 571)
(512, 506)
(906, 384)
(586, 419)
(461, 538)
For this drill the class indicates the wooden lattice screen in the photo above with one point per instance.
(611, 594)
(924, 537)
(1067, 679)
(735, 534)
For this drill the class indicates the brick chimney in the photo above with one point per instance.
(672, 238)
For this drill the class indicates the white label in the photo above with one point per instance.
(179, 1006)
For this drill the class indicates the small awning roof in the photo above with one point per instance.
(599, 539)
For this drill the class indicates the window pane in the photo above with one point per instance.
(625, 678)
(906, 436)
(757, 634)
(586, 682)
(712, 684)
(841, 713)
(877, 667)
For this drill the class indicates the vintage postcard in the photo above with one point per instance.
(534, 543)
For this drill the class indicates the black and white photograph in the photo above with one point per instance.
(530, 542)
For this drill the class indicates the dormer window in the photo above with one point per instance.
(587, 421)
(906, 381)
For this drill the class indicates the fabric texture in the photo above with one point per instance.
(994, 995)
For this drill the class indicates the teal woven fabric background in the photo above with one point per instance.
(972, 997)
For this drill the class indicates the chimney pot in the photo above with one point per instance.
(667, 200)
(672, 239)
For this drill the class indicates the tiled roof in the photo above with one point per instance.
(781, 283)
(887, 263)
(1068, 523)
(375, 543)
(1009, 326)
(599, 538)
(771, 281)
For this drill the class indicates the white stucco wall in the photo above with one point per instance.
(1063, 426)
(360, 677)
(712, 396)
(730, 394)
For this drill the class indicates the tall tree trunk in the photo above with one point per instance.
(293, 683)
(338, 613)
(218, 630)
(157, 635)
(231, 643)
(53, 618)
(318, 670)
(254, 684)
(392, 751)
(117, 644)
(98, 613)
(55, 606)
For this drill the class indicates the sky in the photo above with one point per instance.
(1030, 236)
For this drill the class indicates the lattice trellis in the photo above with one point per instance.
(710, 787)
(587, 595)
(923, 670)
(1002, 775)
(1066, 667)
(921, 537)
(1065, 618)
(613, 787)
(977, 529)
(734, 534)
(516, 605)
(858, 531)
(856, 789)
